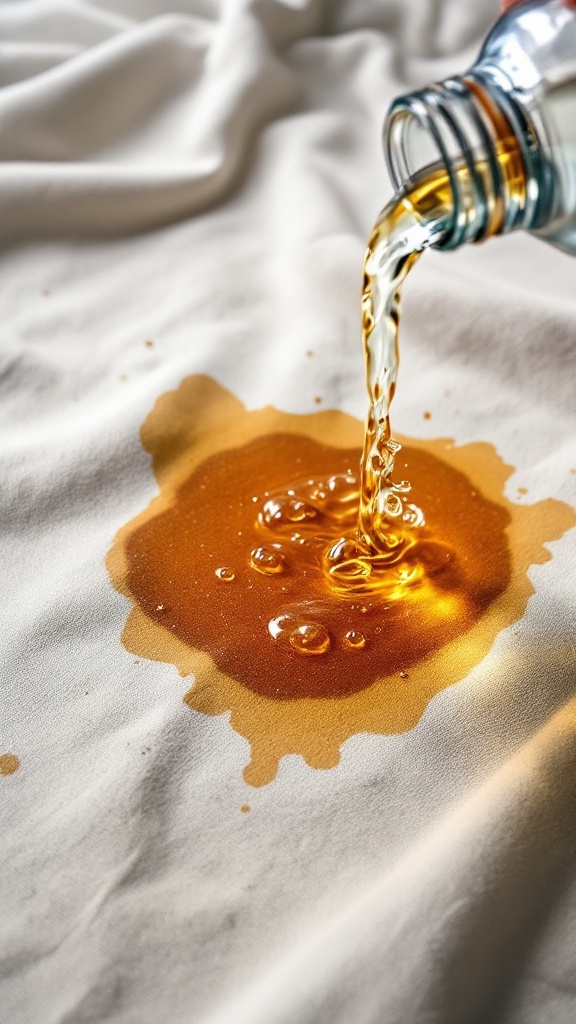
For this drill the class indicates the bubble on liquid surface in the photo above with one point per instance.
(284, 510)
(225, 573)
(300, 635)
(355, 639)
(267, 561)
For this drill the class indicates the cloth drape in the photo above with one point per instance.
(203, 176)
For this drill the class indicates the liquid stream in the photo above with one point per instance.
(382, 551)
(381, 546)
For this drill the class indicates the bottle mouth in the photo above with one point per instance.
(456, 132)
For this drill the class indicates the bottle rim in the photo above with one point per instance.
(455, 127)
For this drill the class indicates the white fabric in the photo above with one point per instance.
(205, 174)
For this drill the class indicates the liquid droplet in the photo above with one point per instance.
(299, 511)
(310, 638)
(299, 634)
(355, 639)
(267, 561)
(225, 574)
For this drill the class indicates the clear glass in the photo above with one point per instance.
(505, 132)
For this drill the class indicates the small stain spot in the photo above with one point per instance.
(245, 808)
(122, 377)
(318, 399)
(149, 343)
(86, 692)
(145, 750)
(309, 353)
(45, 291)
(427, 415)
(522, 490)
(404, 674)
(9, 764)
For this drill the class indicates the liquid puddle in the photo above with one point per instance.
(227, 590)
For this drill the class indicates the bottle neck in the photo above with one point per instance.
(475, 135)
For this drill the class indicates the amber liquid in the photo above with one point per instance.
(299, 572)
(236, 567)
(386, 658)
(409, 224)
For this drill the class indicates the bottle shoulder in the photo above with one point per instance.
(532, 48)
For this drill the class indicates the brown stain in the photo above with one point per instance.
(522, 490)
(427, 415)
(375, 693)
(9, 763)
(318, 399)
(245, 808)
(149, 343)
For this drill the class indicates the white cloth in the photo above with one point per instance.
(205, 174)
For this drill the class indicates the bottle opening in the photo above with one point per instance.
(411, 148)
(455, 131)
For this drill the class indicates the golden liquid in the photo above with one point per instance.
(245, 579)
(388, 520)
(371, 537)
(311, 594)
(297, 553)
(204, 519)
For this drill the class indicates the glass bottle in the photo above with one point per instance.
(504, 133)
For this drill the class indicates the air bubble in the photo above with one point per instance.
(310, 638)
(225, 574)
(354, 639)
(299, 511)
(299, 634)
(267, 561)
